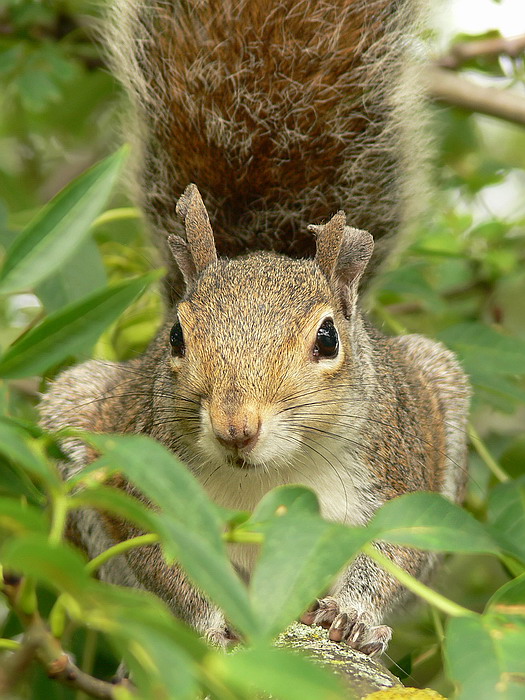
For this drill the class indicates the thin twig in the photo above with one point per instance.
(39, 643)
(121, 548)
(439, 601)
(485, 455)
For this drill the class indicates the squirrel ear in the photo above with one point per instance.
(201, 245)
(329, 238)
(342, 254)
(183, 258)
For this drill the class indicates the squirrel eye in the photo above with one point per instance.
(177, 340)
(327, 341)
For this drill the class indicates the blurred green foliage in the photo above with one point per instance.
(461, 280)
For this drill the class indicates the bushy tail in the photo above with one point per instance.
(281, 111)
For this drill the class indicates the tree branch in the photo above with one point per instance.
(39, 643)
(465, 51)
(361, 674)
(445, 86)
(59, 666)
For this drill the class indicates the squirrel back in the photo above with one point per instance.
(281, 113)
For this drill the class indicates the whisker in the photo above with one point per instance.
(428, 443)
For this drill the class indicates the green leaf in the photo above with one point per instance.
(490, 230)
(60, 227)
(278, 673)
(212, 572)
(410, 280)
(510, 598)
(486, 657)
(108, 499)
(482, 348)
(430, 521)
(506, 515)
(298, 560)
(58, 566)
(497, 390)
(14, 481)
(192, 521)
(160, 668)
(163, 479)
(159, 650)
(26, 451)
(513, 458)
(286, 499)
(83, 273)
(19, 518)
(37, 88)
(71, 330)
(118, 604)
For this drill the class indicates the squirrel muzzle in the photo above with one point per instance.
(237, 429)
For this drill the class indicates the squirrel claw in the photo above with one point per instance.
(327, 612)
(374, 641)
(337, 630)
(349, 627)
(308, 617)
(374, 649)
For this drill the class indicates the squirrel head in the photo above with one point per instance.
(261, 342)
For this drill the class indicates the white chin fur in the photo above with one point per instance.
(281, 457)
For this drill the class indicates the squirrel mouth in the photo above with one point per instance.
(240, 463)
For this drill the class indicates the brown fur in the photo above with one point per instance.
(281, 113)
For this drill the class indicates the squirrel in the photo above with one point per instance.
(265, 371)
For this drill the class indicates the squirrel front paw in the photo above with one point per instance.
(349, 626)
(221, 637)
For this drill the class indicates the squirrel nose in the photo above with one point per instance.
(240, 434)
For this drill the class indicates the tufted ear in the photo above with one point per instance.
(199, 251)
(342, 255)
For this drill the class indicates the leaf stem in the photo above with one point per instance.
(119, 214)
(438, 625)
(485, 455)
(26, 597)
(58, 523)
(420, 589)
(243, 537)
(9, 644)
(120, 548)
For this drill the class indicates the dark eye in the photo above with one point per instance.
(327, 342)
(177, 341)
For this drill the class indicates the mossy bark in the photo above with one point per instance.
(361, 674)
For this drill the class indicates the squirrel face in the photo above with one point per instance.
(256, 338)
(261, 346)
